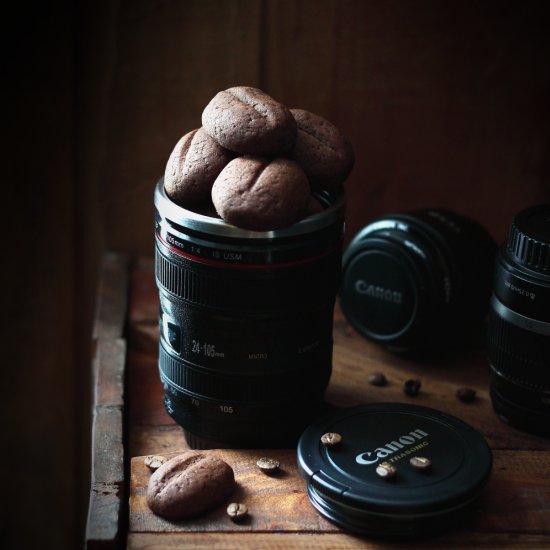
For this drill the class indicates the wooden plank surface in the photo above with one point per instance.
(107, 503)
(517, 498)
(514, 511)
(330, 541)
(275, 502)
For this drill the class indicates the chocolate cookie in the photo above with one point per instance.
(321, 150)
(248, 121)
(189, 484)
(261, 194)
(193, 166)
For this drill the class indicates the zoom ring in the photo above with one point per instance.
(240, 388)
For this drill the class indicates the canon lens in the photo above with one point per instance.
(246, 322)
(519, 324)
(418, 282)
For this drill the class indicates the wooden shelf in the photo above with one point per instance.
(514, 511)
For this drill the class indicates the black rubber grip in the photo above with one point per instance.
(295, 384)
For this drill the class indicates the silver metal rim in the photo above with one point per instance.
(206, 224)
(521, 321)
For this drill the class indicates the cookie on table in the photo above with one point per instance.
(321, 150)
(261, 194)
(192, 168)
(250, 122)
(189, 485)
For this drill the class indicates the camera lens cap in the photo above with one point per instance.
(416, 501)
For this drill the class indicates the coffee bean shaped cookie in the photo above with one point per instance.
(192, 168)
(261, 194)
(321, 150)
(248, 121)
(189, 485)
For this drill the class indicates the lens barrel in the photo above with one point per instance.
(245, 350)
(518, 343)
(418, 282)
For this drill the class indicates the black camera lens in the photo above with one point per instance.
(418, 282)
(246, 322)
(518, 342)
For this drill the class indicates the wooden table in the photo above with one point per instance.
(130, 422)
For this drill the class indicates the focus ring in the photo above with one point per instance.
(531, 366)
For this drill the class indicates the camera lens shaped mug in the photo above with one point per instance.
(246, 318)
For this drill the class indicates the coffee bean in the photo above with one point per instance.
(189, 485)
(412, 387)
(386, 470)
(420, 463)
(268, 465)
(377, 379)
(237, 511)
(331, 439)
(154, 462)
(466, 395)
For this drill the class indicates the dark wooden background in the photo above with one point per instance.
(445, 103)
